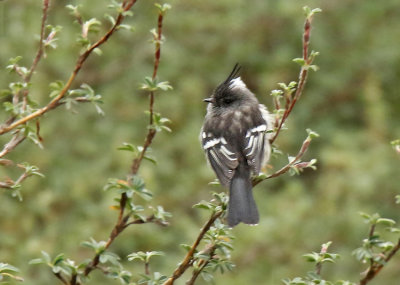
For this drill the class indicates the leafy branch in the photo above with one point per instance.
(7, 127)
(386, 249)
(26, 76)
(23, 112)
(295, 164)
(374, 251)
(8, 271)
(290, 94)
(14, 186)
(188, 259)
(134, 183)
(217, 236)
(306, 64)
(129, 213)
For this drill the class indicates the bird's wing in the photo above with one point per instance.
(222, 159)
(254, 149)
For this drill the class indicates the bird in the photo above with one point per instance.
(235, 138)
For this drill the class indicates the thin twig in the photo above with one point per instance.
(82, 58)
(286, 168)
(187, 261)
(302, 78)
(10, 184)
(41, 41)
(15, 140)
(152, 132)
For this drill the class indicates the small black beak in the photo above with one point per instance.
(208, 100)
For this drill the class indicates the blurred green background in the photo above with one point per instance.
(353, 102)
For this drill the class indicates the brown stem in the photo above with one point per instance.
(146, 268)
(61, 278)
(118, 228)
(40, 49)
(372, 230)
(82, 58)
(15, 140)
(187, 261)
(302, 78)
(151, 133)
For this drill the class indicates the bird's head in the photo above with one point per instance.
(231, 93)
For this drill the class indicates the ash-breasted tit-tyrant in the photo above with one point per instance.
(235, 139)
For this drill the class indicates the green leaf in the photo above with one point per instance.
(7, 270)
(186, 247)
(111, 257)
(164, 85)
(144, 256)
(203, 205)
(310, 12)
(97, 247)
(56, 88)
(110, 18)
(387, 222)
(152, 85)
(312, 257)
(312, 134)
(163, 7)
(300, 61)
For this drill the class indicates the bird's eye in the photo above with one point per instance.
(228, 100)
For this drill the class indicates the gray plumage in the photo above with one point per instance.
(234, 138)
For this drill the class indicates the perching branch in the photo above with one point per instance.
(294, 162)
(187, 261)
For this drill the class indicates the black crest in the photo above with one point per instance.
(233, 73)
(225, 86)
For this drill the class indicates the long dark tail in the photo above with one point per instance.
(242, 207)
